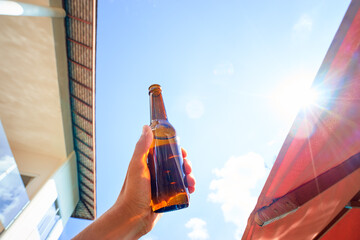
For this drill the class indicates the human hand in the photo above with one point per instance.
(135, 196)
(131, 216)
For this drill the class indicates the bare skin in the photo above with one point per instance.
(131, 216)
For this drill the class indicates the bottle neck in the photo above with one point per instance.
(157, 107)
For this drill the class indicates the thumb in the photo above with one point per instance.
(144, 143)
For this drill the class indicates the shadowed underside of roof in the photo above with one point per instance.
(81, 46)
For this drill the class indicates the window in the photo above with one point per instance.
(49, 220)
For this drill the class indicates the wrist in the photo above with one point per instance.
(116, 223)
(124, 224)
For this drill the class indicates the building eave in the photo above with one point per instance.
(80, 25)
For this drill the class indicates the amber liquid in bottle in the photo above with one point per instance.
(165, 162)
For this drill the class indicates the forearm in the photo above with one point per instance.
(116, 223)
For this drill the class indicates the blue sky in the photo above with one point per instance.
(232, 72)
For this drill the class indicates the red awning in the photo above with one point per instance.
(312, 191)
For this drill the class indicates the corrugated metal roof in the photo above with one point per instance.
(81, 48)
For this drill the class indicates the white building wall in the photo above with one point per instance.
(61, 187)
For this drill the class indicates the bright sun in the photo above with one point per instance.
(308, 97)
(288, 100)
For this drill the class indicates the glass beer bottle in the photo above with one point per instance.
(165, 162)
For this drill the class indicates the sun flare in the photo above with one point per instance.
(288, 100)
(308, 97)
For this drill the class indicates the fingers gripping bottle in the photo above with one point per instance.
(165, 162)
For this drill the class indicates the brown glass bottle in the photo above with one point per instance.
(165, 162)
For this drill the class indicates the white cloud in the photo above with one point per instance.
(6, 162)
(13, 197)
(199, 231)
(195, 109)
(12, 208)
(271, 142)
(235, 188)
(302, 27)
(303, 24)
